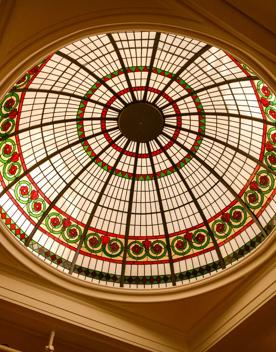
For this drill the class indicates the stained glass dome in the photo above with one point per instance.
(139, 160)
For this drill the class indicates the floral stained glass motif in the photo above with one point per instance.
(138, 160)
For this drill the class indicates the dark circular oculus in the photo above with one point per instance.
(141, 122)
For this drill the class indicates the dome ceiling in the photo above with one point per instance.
(138, 160)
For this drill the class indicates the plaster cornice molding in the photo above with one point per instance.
(253, 294)
(177, 17)
(103, 320)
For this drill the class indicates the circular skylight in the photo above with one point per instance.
(138, 160)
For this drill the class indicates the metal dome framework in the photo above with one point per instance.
(136, 213)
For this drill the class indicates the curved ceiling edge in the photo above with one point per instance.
(47, 43)
(253, 263)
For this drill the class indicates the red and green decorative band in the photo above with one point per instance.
(106, 247)
(187, 275)
(132, 279)
(161, 173)
(130, 153)
(58, 225)
(150, 250)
